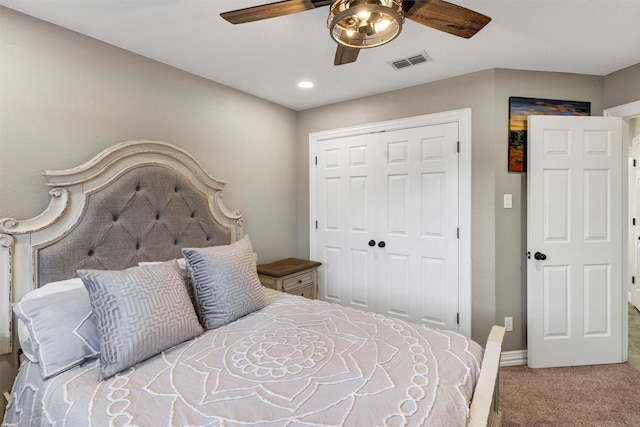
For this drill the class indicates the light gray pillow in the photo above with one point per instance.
(61, 329)
(187, 278)
(225, 280)
(139, 312)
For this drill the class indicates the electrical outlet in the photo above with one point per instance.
(508, 324)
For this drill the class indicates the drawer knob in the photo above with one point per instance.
(300, 281)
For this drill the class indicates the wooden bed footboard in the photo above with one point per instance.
(484, 405)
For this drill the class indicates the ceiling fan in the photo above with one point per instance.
(359, 24)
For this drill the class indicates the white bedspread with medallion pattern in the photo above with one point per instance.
(297, 362)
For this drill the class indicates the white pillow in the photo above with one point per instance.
(50, 288)
(181, 263)
(59, 331)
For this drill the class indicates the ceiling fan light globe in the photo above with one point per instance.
(365, 15)
(382, 25)
(364, 23)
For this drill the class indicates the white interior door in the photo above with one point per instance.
(574, 274)
(346, 199)
(634, 232)
(387, 212)
(417, 221)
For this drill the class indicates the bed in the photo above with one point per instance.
(133, 299)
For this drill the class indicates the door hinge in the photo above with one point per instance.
(634, 163)
(458, 147)
(633, 221)
(316, 225)
(633, 279)
(458, 318)
(458, 232)
(316, 160)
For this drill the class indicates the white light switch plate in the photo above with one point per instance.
(508, 201)
(508, 324)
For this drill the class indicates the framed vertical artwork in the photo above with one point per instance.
(520, 108)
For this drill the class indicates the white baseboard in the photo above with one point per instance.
(513, 358)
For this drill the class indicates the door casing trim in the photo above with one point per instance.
(626, 111)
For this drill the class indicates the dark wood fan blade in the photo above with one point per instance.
(271, 10)
(345, 55)
(444, 16)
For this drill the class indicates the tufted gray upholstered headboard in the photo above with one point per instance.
(136, 201)
(149, 214)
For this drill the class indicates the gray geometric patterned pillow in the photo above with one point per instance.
(226, 283)
(187, 278)
(61, 329)
(139, 312)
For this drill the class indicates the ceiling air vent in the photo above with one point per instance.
(420, 58)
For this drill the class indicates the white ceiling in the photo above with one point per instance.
(268, 58)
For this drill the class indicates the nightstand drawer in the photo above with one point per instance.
(304, 279)
(303, 291)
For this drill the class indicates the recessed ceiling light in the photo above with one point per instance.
(305, 85)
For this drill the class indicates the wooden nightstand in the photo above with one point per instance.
(291, 275)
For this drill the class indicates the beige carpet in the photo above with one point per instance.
(603, 396)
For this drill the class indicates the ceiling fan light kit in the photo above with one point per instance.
(360, 24)
(365, 23)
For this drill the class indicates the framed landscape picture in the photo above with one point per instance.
(520, 108)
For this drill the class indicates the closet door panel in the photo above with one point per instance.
(417, 219)
(345, 190)
(387, 223)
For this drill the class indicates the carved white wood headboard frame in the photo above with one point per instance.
(70, 188)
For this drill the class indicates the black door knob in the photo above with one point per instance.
(540, 256)
(372, 242)
(382, 244)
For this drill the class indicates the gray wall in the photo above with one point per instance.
(498, 235)
(473, 90)
(511, 224)
(64, 97)
(622, 87)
